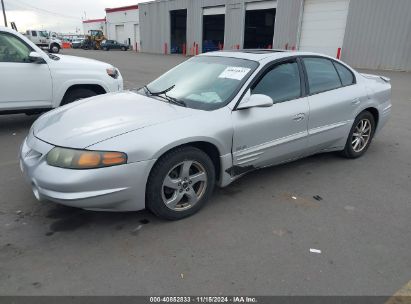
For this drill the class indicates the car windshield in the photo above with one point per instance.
(43, 34)
(204, 82)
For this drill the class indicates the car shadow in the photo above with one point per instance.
(68, 219)
(16, 122)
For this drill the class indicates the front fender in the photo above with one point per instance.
(153, 141)
(62, 87)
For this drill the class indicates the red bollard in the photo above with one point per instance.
(197, 49)
(184, 49)
(270, 46)
(339, 53)
(165, 48)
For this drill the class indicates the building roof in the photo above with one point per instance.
(94, 20)
(121, 8)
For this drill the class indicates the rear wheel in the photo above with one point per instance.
(360, 136)
(77, 94)
(180, 183)
(123, 48)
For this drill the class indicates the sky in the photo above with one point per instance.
(57, 15)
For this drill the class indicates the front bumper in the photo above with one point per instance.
(117, 188)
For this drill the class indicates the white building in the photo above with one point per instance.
(123, 25)
(94, 24)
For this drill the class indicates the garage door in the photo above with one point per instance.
(261, 5)
(120, 33)
(213, 28)
(323, 26)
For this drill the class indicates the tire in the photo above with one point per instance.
(191, 194)
(123, 48)
(54, 48)
(355, 148)
(77, 94)
(105, 48)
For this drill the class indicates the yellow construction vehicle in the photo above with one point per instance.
(93, 40)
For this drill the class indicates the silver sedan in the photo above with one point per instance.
(206, 122)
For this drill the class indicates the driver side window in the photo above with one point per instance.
(281, 83)
(12, 49)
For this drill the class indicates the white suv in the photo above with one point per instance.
(33, 81)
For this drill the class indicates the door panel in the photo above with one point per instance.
(268, 136)
(332, 106)
(271, 135)
(331, 116)
(23, 84)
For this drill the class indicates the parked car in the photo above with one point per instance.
(44, 40)
(168, 144)
(113, 45)
(34, 81)
(76, 43)
(210, 46)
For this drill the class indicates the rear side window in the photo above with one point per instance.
(346, 75)
(321, 74)
(34, 33)
(281, 83)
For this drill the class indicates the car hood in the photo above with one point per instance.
(70, 61)
(92, 120)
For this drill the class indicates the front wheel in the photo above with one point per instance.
(77, 94)
(55, 48)
(360, 136)
(180, 183)
(123, 48)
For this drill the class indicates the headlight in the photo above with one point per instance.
(84, 159)
(113, 72)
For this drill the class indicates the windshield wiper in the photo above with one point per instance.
(173, 100)
(159, 92)
(146, 89)
(166, 97)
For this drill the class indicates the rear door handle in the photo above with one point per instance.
(299, 117)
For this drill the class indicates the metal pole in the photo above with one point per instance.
(4, 13)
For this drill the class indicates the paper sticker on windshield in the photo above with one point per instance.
(234, 73)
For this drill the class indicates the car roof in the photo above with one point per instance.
(260, 54)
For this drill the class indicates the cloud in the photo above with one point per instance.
(59, 16)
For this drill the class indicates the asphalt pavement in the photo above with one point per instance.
(253, 238)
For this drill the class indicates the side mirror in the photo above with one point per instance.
(255, 101)
(36, 58)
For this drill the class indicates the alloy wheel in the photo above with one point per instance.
(184, 185)
(361, 135)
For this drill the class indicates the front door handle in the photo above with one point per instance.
(299, 117)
